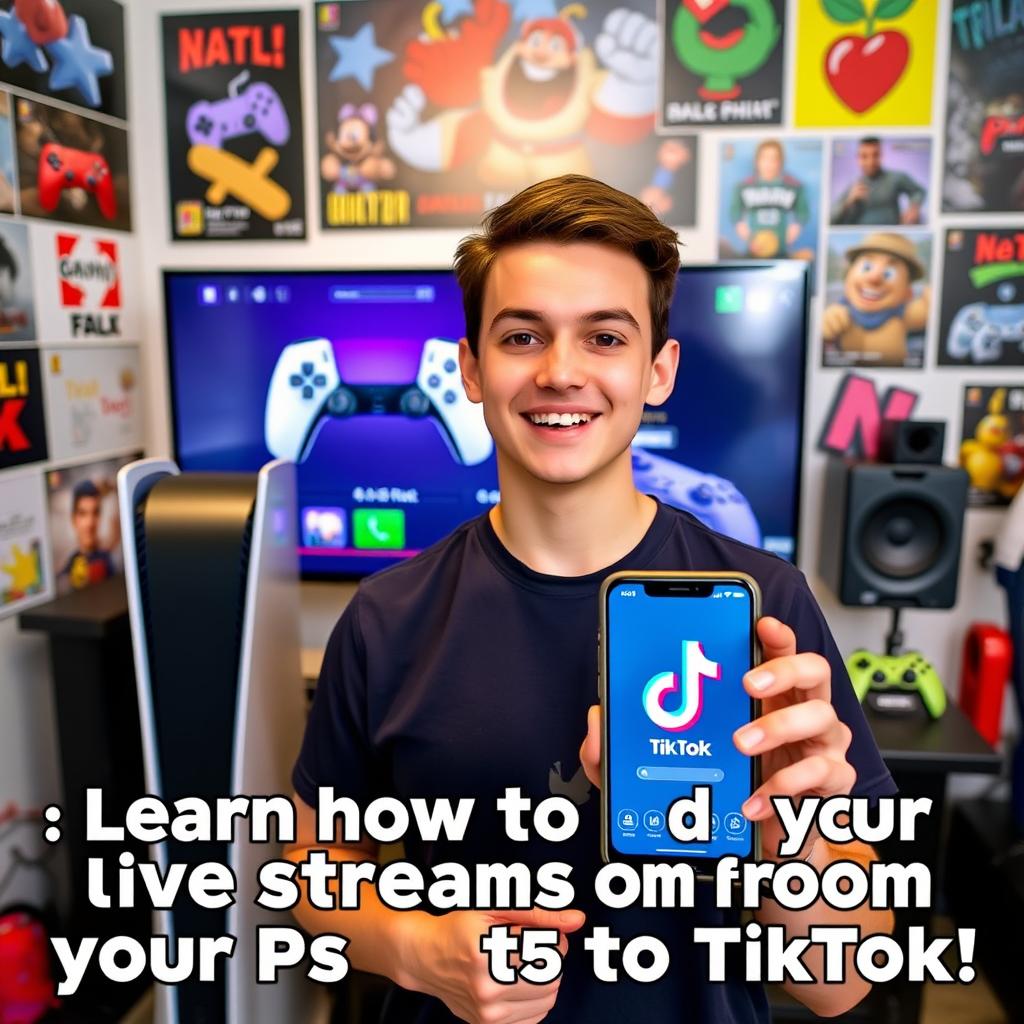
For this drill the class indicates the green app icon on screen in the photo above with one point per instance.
(729, 298)
(378, 528)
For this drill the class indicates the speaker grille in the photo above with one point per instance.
(902, 538)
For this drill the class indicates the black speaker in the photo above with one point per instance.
(912, 441)
(890, 535)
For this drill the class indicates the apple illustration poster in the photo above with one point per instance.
(982, 297)
(234, 125)
(431, 112)
(721, 62)
(864, 63)
(984, 155)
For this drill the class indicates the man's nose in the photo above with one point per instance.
(561, 366)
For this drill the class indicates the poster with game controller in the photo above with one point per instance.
(431, 112)
(72, 50)
(982, 322)
(25, 576)
(234, 125)
(72, 168)
(722, 63)
(992, 442)
(984, 156)
(86, 285)
(17, 312)
(92, 400)
(22, 421)
(85, 528)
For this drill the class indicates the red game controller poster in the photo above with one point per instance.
(984, 152)
(432, 112)
(234, 125)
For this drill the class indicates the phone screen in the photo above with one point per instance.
(674, 697)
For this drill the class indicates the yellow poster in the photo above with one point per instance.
(864, 63)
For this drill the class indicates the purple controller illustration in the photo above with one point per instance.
(258, 108)
(712, 499)
(306, 388)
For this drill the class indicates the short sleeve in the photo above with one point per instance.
(336, 749)
(812, 634)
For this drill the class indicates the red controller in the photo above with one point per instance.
(61, 168)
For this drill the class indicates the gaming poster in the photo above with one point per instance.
(85, 528)
(769, 199)
(984, 158)
(17, 315)
(22, 423)
(8, 175)
(992, 442)
(722, 62)
(234, 125)
(432, 112)
(24, 551)
(878, 298)
(72, 168)
(72, 50)
(880, 180)
(982, 320)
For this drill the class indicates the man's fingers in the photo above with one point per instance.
(809, 672)
(590, 749)
(808, 720)
(815, 774)
(561, 920)
(777, 639)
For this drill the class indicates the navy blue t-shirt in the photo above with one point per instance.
(462, 672)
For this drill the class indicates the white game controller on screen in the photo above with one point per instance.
(712, 499)
(980, 330)
(306, 387)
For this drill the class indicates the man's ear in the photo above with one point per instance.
(469, 364)
(663, 373)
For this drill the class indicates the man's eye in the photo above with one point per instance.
(606, 340)
(521, 339)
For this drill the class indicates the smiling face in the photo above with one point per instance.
(564, 366)
(354, 139)
(869, 159)
(877, 281)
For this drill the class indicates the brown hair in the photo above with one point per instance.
(770, 144)
(572, 208)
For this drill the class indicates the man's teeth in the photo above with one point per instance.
(556, 419)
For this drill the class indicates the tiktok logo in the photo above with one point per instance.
(696, 668)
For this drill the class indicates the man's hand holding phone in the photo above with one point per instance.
(800, 738)
(442, 957)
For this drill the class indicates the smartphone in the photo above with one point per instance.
(673, 649)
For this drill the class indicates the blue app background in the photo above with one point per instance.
(645, 637)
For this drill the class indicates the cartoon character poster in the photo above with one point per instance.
(880, 180)
(983, 298)
(85, 529)
(72, 168)
(431, 112)
(17, 315)
(877, 298)
(769, 195)
(864, 62)
(722, 62)
(72, 50)
(984, 156)
(8, 174)
(22, 424)
(992, 442)
(234, 125)
(25, 576)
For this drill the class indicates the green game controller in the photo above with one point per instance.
(909, 673)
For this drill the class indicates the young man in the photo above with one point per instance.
(90, 562)
(472, 667)
(874, 198)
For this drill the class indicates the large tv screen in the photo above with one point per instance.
(354, 376)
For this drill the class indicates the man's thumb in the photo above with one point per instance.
(563, 920)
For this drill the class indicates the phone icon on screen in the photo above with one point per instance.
(378, 528)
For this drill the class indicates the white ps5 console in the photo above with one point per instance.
(212, 577)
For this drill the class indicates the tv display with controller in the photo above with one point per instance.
(355, 377)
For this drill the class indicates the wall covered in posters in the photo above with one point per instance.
(234, 125)
(429, 114)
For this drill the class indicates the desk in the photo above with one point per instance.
(921, 754)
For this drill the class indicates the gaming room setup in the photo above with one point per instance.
(273, 321)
